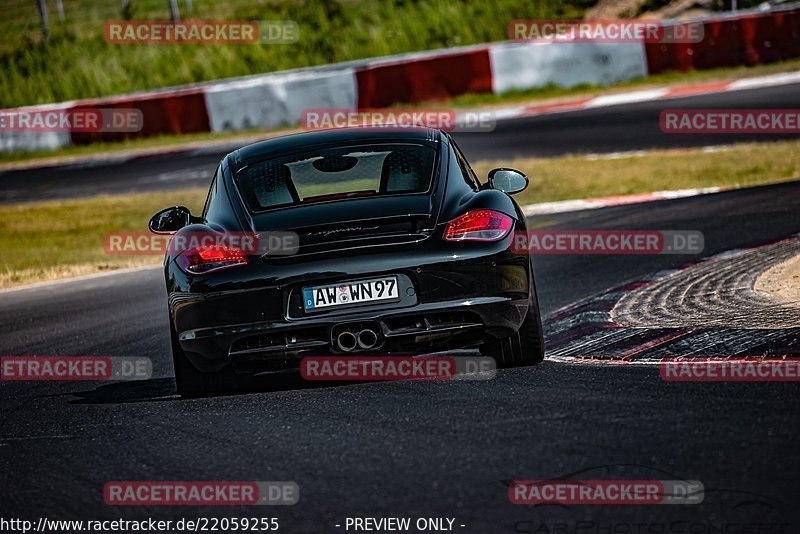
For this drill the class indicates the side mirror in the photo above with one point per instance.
(508, 181)
(170, 220)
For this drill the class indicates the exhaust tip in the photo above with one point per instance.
(346, 341)
(367, 338)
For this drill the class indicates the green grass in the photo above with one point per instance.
(76, 62)
(572, 177)
(58, 239)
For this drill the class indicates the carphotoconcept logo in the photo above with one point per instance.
(75, 368)
(121, 32)
(608, 242)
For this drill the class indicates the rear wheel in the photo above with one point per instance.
(523, 347)
(191, 382)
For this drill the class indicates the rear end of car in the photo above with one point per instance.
(380, 266)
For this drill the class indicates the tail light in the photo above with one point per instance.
(479, 225)
(208, 258)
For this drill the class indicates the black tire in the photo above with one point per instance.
(523, 347)
(191, 382)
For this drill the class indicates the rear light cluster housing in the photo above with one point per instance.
(479, 225)
(210, 258)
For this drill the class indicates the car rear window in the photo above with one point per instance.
(337, 173)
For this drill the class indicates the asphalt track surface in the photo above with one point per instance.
(601, 130)
(410, 449)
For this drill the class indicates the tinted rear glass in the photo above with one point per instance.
(337, 173)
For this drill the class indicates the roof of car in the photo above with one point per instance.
(258, 151)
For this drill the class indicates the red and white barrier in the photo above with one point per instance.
(34, 141)
(525, 65)
(433, 76)
(732, 40)
(174, 111)
(278, 99)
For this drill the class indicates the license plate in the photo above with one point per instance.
(362, 292)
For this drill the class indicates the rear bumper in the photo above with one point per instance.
(426, 327)
(250, 320)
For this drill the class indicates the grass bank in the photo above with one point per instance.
(61, 239)
(76, 61)
(572, 177)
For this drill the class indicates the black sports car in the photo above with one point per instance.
(391, 246)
